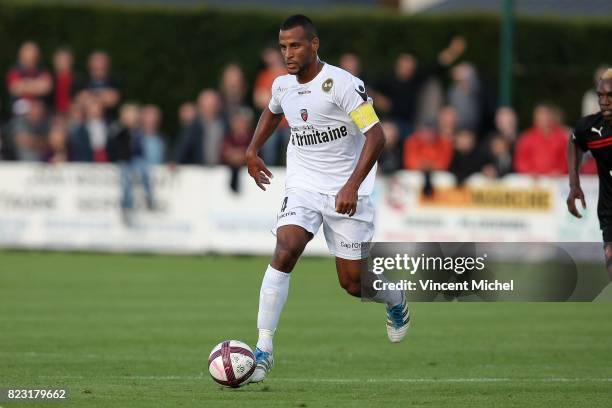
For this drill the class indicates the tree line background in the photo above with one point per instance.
(167, 55)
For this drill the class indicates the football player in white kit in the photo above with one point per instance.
(336, 139)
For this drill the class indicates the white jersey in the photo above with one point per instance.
(325, 143)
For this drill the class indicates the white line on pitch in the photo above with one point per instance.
(355, 380)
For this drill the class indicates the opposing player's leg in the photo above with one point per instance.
(608, 254)
(607, 239)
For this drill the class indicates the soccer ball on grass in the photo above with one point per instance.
(231, 363)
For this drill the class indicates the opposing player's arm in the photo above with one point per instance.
(268, 121)
(365, 118)
(574, 160)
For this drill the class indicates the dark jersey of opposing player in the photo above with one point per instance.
(592, 133)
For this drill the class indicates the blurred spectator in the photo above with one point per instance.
(7, 136)
(28, 130)
(200, 142)
(274, 67)
(65, 83)
(57, 146)
(590, 104)
(351, 63)
(88, 141)
(426, 150)
(399, 95)
(500, 142)
(233, 88)
(464, 96)
(187, 113)
(431, 100)
(131, 157)
(27, 79)
(447, 122)
(541, 149)
(76, 116)
(101, 86)
(3, 146)
(154, 149)
(500, 154)
(236, 142)
(125, 135)
(506, 125)
(390, 159)
(468, 158)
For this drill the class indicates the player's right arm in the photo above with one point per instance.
(268, 121)
(574, 160)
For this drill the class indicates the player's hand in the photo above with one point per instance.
(258, 170)
(346, 200)
(574, 194)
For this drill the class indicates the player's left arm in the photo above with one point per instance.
(574, 160)
(365, 117)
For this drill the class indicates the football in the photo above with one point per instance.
(231, 363)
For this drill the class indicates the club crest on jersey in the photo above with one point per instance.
(327, 85)
(304, 113)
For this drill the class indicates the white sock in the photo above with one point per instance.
(272, 297)
(390, 297)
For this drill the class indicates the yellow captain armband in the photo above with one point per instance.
(364, 116)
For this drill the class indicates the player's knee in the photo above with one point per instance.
(284, 259)
(287, 253)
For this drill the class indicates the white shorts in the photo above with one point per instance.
(347, 237)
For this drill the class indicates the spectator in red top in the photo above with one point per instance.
(273, 67)
(65, 81)
(427, 150)
(540, 150)
(262, 92)
(432, 149)
(27, 79)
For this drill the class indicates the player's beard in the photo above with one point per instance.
(301, 68)
(298, 69)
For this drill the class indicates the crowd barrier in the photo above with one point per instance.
(76, 207)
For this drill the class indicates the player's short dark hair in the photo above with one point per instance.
(300, 20)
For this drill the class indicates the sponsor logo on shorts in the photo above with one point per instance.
(287, 214)
(352, 245)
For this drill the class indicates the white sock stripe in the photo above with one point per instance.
(276, 275)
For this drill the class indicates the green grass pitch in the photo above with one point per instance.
(135, 331)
